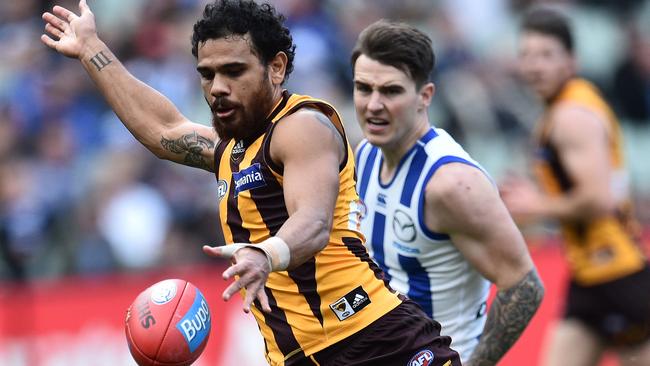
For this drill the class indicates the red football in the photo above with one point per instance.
(168, 324)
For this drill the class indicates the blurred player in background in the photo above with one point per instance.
(579, 163)
(285, 173)
(434, 220)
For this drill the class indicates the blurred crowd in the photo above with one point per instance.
(79, 195)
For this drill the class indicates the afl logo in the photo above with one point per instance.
(222, 189)
(403, 226)
(163, 292)
(422, 358)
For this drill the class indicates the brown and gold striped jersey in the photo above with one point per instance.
(334, 294)
(606, 248)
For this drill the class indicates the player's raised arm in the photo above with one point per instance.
(467, 206)
(150, 117)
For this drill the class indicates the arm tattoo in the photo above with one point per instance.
(100, 60)
(509, 315)
(193, 146)
(329, 124)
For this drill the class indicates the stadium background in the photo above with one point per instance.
(88, 218)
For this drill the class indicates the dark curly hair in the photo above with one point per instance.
(265, 26)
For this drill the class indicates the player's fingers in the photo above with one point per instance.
(224, 251)
(250, 297)
(83, 7)
(264, 300)
(215, 252)
(56, 32)
(211, 251)
(64, 13)
(253, 290)
(231, 290)
(48, 41)
(54, 21)
(232, 271)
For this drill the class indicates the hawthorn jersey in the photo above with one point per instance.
(424, 265)
(606, 248)
(331, 296)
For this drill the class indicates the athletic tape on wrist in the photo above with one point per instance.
(276, 250)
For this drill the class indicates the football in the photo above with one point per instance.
(168, 324)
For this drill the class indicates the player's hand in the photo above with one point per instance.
(523, 199)
(68, 32)
(250, 266)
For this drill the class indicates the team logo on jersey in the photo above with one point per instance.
(249, 178)
(238, 151)
(351, 303)
(422, 358)
(381, 199)
(403, 226)
(222, 189)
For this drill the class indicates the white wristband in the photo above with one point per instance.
(276, 250)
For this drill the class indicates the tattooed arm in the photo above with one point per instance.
(509, 314)
(462, 201)
(148, 115)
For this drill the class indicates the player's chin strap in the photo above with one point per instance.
(276, 250)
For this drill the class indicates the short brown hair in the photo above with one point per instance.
(399, 45)
(549, 21)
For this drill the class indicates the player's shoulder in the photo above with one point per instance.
(454, 194)
(574, 117)
(452, 182)
(303, 122)
(306, 129)
(456, 190)
(437, 143)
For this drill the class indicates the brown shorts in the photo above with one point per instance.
(405, 336)
(618, 311)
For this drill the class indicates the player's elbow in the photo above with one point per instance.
(321, 227)
(529, 289)
(160, 153)
(589, 204)
(157, 151)
(153, 145)
(598, 205)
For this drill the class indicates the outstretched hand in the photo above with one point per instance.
(68, 32)
(251, 266)
(522, 198)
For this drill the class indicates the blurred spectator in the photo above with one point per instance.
(622, 7)
(23, 221)
(318, 66)
(133, 217)
(9, 134)
(632, 79)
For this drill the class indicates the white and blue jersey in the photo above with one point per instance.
(424, 265)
